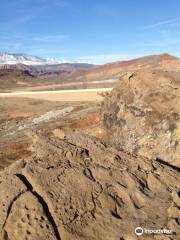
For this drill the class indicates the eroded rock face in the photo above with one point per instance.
(78, 188)
(142, 115)
(28, 220)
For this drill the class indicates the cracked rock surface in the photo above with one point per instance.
(79, 188)
(142, 115)
(27, 220)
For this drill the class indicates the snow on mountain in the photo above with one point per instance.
(12, 59)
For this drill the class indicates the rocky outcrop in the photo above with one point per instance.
(79, 188)
(142, 115)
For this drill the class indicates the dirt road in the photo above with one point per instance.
(62, 95)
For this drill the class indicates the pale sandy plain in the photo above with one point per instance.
(62, 95)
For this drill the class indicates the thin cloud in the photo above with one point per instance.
(164, 39)
(8, 25)
(106, 58)
(50, 38)
(163, 23)
(44, 52)
(13, 46)
(58, 3)
(164, 42)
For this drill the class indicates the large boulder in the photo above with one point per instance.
(142, 115)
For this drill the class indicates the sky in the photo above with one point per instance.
(97, 31)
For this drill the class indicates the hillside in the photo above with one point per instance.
(21, 76)
(10, 78)
(116, 69)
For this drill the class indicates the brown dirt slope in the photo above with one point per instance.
(117, 69)
(10, 78)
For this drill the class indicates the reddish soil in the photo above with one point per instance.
(87, 122)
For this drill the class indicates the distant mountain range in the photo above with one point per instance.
(16, 58)
(29, 60)
(38, 66)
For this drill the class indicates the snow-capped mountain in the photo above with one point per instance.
(16, 58)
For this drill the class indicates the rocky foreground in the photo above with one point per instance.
(79, 188)
(75, 186)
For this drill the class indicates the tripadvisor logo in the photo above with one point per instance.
(139, 231)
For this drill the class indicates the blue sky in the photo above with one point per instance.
(98, 31)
